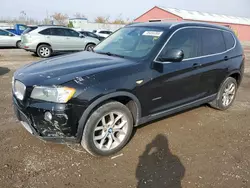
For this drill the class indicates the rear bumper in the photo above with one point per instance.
(28, 47)
(59, 129)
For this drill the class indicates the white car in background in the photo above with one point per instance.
(8, 39)
(103, 33)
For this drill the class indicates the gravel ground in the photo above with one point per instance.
(198, 148)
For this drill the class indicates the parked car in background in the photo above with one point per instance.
(8, 39)
(46, 40)
(97, 98)
(18, 29)
(93, 35)
(102, 33)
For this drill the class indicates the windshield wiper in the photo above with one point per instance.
(110, 54)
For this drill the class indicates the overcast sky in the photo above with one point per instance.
(127, 8)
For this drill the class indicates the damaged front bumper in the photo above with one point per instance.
(48, 121)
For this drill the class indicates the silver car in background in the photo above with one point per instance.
(8, 39)
(46, 40)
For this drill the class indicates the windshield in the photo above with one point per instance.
(134, 42)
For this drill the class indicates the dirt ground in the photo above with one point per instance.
(198, 148)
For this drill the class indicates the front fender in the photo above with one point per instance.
(100, 100)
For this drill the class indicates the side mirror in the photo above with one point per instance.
(172, 55)
(11, 35)
(81, 36)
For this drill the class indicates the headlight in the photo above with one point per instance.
(53, 94)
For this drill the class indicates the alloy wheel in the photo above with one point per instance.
(110, 131)
(90, 48)
(45, 51)
(228, 94)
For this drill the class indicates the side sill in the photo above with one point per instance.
(176, 109)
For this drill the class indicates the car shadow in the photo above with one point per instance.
(8, 48)
(4, 70)
(158, 167)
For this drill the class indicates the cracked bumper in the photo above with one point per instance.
(61, 128)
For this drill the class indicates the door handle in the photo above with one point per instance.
(196, 65)
(226, 58)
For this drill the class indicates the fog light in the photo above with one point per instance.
(48, 116)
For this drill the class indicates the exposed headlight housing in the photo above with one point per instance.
(19, 89)
(55, 94)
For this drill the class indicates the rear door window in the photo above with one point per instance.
(212, 41)
(229, 40)
(57, 32)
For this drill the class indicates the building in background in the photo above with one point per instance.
(240, 25)
(82, 24)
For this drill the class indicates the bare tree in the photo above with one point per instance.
(46, 21)
(118, 21)
(102, 19)
(60, 18)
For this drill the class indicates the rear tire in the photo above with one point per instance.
(18, 44)
(44, 51)
(90, 47)
(226, 94)
(108, 129)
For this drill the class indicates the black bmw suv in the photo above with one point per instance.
(140, 73)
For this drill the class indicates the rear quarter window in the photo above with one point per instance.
(229, 40)
(45, 32)
(212, 41)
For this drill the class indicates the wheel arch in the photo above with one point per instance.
(237, 76)
(17, 42)
(126, 98)
(43, 43)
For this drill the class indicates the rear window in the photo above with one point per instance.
(229, 40)
(212, 42)
(105, 32)
(29, 29)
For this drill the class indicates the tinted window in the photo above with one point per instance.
(4, 33)
(71, 33)
(57, 32)
(229, 40)
(186, 40)
(91, 34)
(45, 32)
(29, 29)
(105, 32)
(212, 41)
(22, 27)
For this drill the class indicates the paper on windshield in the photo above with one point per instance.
(153, 33)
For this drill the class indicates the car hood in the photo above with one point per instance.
(56, 71)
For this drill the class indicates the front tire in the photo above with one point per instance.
(226, 95)
(44, 51)
(108, 129)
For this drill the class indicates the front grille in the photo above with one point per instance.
(19, 89)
